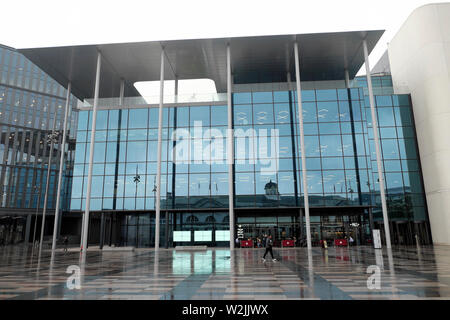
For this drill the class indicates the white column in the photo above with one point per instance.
(122, 90)
(61, 166)
(44, 210)
(230, 149)
(176, 90)
(347, 79)
(158, 172)
(302, 145)
(289, 81)
(27, 230)
(82, 230)
(377, 147)
(288, 76)
(173, 141)
(85, 232)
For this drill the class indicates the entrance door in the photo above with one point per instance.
(404, 233)
(356, 230)
(316, 230)
(258, 230)
(269, 229)
(422, 232)
(332, 228)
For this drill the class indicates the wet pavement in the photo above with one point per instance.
(218, 274)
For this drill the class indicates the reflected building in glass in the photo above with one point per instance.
(268, 195)
(32, 104)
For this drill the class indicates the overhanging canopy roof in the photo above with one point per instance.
(323, 56)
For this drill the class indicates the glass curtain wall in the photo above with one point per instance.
(340, 157)
(31, 105)
(29, 102)
(126, 145)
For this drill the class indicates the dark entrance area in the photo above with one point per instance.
(406, 233)
(12, 229)
(211, 228)
(177, 228)
(327, 224)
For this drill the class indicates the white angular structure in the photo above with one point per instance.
(419, 56)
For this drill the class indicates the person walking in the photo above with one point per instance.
(66, 243)
(269, 245)
(351, 241)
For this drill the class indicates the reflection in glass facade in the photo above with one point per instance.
(340, 158)
(126, 144)
(31, 105)
(187, 263)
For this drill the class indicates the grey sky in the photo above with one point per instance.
(31, 23)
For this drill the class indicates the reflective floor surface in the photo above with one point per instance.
(217, 274)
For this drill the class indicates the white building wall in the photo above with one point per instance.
(420, 64)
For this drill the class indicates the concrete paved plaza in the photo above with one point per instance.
(215, 274)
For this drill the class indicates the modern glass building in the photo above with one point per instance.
(341, 166)
(262, 113)
(31, 106)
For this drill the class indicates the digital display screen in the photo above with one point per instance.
(181, 236)
(222, 235)
(202, 236)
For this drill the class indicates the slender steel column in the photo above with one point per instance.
(38, 189)
(121, 92)
(102, 230)
(27, 230)
(91, 157)
(377, 147)
(158, 172)
(82, 230)
(302, 233)
(347, 80)
(173, 169)
(61, 165)
(296, 168)
(230, 140)
(176, 90)
(112, 216)
(47, 184)
(302, 145)
(288, 77)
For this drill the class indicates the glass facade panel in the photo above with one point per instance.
(137, 118)
(339, 147)
(326, 95)
(30, 103)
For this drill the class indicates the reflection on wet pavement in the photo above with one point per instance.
(218, 274)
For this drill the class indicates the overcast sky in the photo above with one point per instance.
(41, 23)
